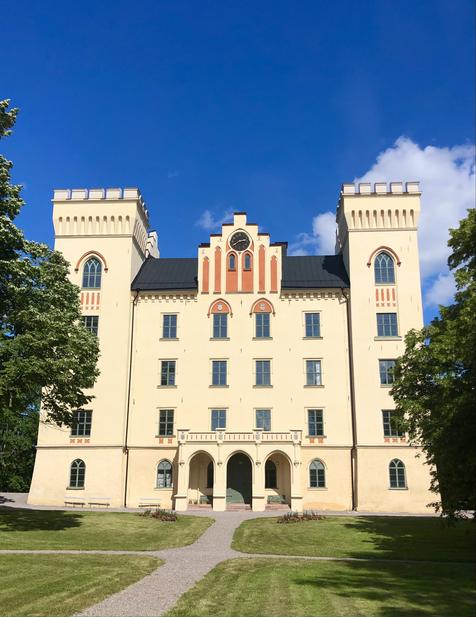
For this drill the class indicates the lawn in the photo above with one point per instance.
(273, 587)
(370, 537)
(60, 585)
(58, 529)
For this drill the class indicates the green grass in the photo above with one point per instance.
(259, 587)
(370, 537)
(57, 529)
(60, 585)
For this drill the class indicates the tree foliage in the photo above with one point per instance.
(45, 351)
(435, 389)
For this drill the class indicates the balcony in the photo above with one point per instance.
(223, 436)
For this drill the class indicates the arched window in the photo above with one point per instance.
(164, 474)
(384, 268)
(232, 262)
(396, 472)
(270, 475)
(317, 474)
(247, 262)
(77, 474)
(92, 274)
(210, 475)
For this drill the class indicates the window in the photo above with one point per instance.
(262, 325)
(91, 323)
(247, 262)
(219, 372)
(315, 422)
(169, 326)
(164, 474)
(166, 422)
(210, 475)
(390, 425)
(77, 474)
(386, 372)
(384, 269)
(232, 262)
(167, 373)
(263, 372)
(220, 325)
(396, 471)
(270, 475)
(313, 325)
(313, 373)
(92, 274)
(81, 426)
(218, 419)
(317, 474)
(263, 419)
(387, 324)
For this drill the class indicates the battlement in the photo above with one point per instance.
(381, 188)
(107, 194)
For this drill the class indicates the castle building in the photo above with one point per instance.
(244, 375)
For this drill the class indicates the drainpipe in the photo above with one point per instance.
(353, 451)
(129, 388)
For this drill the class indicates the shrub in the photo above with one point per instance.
(296, 517)
(160, 515)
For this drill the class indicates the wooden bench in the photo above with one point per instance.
(74, 503)
(145, 502)
(98, 502)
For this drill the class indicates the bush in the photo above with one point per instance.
(160, 515)
(296, 517)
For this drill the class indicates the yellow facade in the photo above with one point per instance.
(285, 408)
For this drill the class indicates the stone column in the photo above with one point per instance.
(181, 496)
(296, 489)
(219, 478)
(258, 495)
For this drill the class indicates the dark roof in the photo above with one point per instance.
(309, 272)
(314, 271)
(167, 273)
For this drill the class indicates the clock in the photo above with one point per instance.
(239, 241)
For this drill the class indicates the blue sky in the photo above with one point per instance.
(259, 106)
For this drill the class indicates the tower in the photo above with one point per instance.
(103, 234)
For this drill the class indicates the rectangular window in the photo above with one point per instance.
(387, 324)
(263, 372)
(218, 419)
(220, 325)
(263, 419)
(390, 428)
(167, 373)
(219, 372)
(166, 422)
(91, 322)
(81, 426)
(262, 325)
(386, 372)
(169, 329)
(313, 325)
(315, 422)
(313, 373)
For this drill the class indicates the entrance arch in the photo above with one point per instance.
(277, 485)
(201, 480)
(239, 479)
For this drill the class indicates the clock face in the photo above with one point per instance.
(239, 241)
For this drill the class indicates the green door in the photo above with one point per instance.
(238, 479)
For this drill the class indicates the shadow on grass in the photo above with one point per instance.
(406, 590)
(425, 538)
(19, 519)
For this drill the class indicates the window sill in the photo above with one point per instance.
(397, 488)
(314, 338)
(165, 387)
(166, 436)
(219, 386)
(262, 386)
(75, 488)
(388, 338)
(80, 436)
(315, 436)
(219, 338)
(386, 385)
(262, 338)
(314, 386)
(163, 488)
(317, 488)
(168, 338)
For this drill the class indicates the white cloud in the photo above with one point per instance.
(447, 177)
(322, 239)
(208, 221)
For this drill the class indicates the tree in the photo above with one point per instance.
(435, 384)
(45, 351)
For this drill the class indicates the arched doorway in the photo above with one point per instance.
(238, 479)
(277, 480)
(201, 480)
